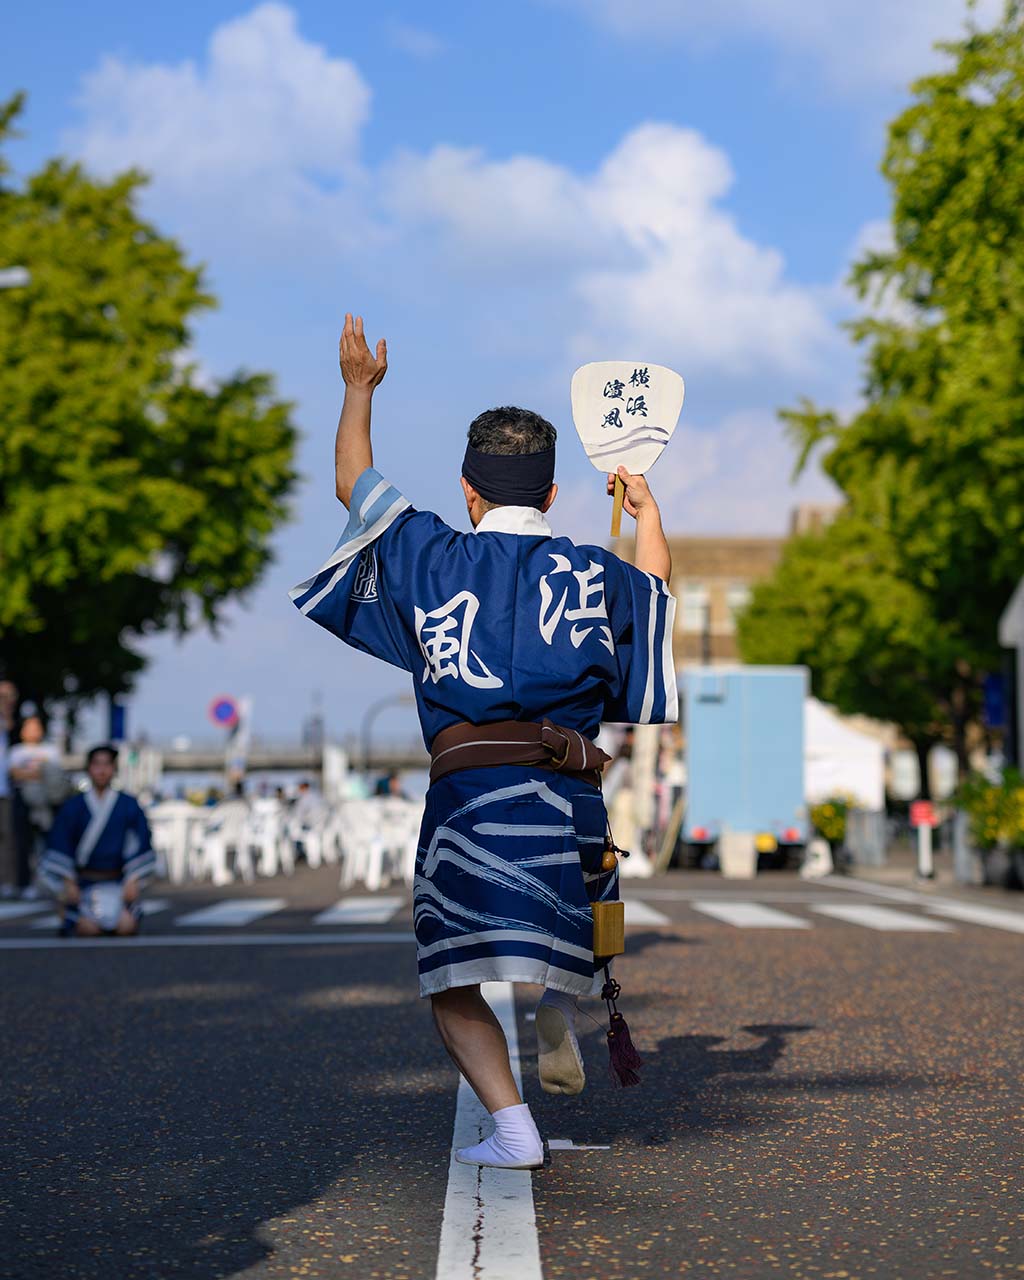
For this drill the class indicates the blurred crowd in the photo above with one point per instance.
(94, 847)
(33, 786)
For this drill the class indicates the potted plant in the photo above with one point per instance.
(995, 815)
(829, 820)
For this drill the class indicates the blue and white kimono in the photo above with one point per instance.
(507, 623)
(94, 836)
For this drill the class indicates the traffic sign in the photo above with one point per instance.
(223, 711)
(922, 814)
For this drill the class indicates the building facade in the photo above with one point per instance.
(711, 580)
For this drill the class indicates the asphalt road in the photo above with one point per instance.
(829, 1101)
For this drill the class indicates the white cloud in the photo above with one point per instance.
(257, 151)
(853, 44)
(733, 478)
(265, 99)
(415, 41)
(260, 136)
(642, 246)
(741, 483)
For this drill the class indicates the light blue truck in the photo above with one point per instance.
(744, 732)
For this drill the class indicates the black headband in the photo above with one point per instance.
(510, 479)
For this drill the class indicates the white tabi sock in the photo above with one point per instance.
(563, 1001)
(559, 1061)
(515, 1143)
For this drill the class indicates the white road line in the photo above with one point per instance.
(976, 914)
(885, 919)
(12, 910)
(869, 887)
(753, 892)
(489, 1231)
(232, 913)
(638, 912)
(205, 940)
(751, 915)
(360, 910)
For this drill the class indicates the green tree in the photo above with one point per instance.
(936, 455)
(134, 497)
(868, 635)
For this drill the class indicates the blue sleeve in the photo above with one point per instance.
(362, 592)
(58, 862)
(139, 858)
(642, 613)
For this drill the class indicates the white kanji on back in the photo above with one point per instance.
(444, 640)
(589, 584)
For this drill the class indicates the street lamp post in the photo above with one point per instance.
(395, 700)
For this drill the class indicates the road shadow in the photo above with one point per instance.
(691, 1085)
(206, 1113)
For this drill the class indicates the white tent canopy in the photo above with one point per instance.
(839, 759)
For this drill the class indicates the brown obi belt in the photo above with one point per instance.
(542, 746)
(84, 873)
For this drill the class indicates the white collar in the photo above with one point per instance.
(521, 520)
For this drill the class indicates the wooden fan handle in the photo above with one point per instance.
(620, 493)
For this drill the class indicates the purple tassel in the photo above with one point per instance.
(624, 1062)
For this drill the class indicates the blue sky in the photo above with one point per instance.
(505, 191)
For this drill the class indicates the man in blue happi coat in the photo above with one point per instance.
(519, 644)
(99, 856)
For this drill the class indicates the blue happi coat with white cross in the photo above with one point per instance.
(94, 834)
(507, 623)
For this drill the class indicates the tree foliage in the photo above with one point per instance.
(932, 465)
(134, 496)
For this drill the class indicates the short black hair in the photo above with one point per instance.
(511, 430)
(104, 748)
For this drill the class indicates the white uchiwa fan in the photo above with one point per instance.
(625, 412)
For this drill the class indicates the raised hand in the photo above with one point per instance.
(359, 367)
(638, 494)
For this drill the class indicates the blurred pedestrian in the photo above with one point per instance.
(99, 856)
(390, 786)
(8, 856)
(40, 785)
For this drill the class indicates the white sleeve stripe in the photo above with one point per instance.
(652, 626)
(668, 658)
(348, 549)
(54, 859)
(381, 487)
(341, 552)
(352, 549)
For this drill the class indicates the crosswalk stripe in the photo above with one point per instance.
(232, 913)
(885, 919)
(12, 910)
(360, 910)
(975, 914)
(751, 915)
(638, 912)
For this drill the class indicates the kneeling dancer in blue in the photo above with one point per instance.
(519, 644)
(99, 856)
